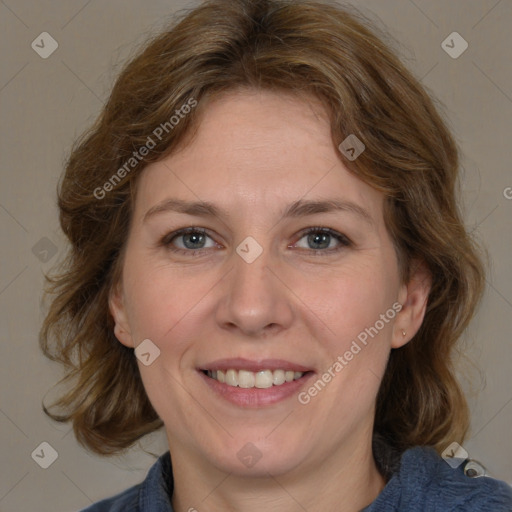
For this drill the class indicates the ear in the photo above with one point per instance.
(414, 297)
(117, 308)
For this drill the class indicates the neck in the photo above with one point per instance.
(345, 481)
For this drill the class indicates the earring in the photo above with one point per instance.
(403, 333)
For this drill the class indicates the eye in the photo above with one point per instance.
(323, 240)
(193, 240)
(188, 240)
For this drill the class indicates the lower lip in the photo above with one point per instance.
(256, 397)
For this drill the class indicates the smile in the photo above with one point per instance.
(261, 379)
(254, 382)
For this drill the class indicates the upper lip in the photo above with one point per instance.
(240, 363)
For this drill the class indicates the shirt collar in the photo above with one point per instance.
(156, 491)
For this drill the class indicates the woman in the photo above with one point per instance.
(267, 259)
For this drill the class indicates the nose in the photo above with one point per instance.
(255, 300)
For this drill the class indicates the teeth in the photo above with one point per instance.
(246, 379)
(279, 377)
(231, 377)
(262, 379)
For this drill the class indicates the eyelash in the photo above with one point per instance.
(167, 240)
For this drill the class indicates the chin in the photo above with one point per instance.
(258, 457)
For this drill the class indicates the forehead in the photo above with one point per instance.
(256, 149)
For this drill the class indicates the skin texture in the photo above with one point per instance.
(255, 153)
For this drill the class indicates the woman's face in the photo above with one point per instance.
(248, 288)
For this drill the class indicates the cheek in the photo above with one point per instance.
(353, 314)
(164, 303)
(350, 300)
(353, 319)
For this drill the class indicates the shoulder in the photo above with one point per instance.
(153, 494)
(424, 481)
(428, 478)
(126, 501)
(451, 486)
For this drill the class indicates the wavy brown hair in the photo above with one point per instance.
(304, 47)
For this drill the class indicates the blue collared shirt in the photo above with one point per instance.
(421, 482)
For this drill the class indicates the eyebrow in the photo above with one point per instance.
(299, 208)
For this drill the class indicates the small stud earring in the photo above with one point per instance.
(403, 333)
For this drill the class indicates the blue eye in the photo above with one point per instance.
(193, 241)
(321, 240)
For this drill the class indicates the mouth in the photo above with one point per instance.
(254, 383)
(246, 379)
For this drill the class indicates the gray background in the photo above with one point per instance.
(47, 103)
